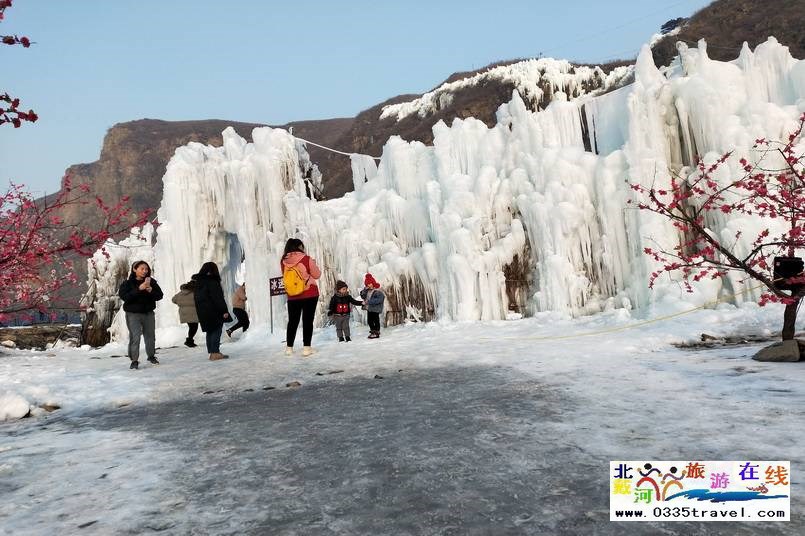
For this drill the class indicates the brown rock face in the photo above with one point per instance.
(726, 24)
(40, 336)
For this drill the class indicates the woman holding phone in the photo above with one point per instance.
(140, 294)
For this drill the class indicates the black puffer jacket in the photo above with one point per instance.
(136, 300)
(341, 305)
(210, 302)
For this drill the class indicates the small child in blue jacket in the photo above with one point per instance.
(373, 299)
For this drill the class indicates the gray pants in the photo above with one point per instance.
(341, 325)
(141, 324)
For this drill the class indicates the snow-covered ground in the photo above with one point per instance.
(625, 394)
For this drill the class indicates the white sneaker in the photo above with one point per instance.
(289, 350)
(307, 351)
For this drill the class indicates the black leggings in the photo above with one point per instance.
(374, 321)
(243, 320)
(306, 308)
(192, 329)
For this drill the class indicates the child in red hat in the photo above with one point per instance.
(373, 299)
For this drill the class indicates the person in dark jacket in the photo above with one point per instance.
(187, 311)
(373, 299)
(303, 304)
(340, 308)
(211, 307)
(140, 294)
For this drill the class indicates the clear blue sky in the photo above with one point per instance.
(100, 62)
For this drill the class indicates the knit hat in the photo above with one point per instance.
(370, 281)
(340, 284)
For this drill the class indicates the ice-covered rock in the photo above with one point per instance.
(13, 406)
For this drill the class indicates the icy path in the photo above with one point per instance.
(472, 429)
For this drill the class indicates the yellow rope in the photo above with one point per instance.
(638, 324)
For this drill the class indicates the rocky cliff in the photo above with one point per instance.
(726, 24)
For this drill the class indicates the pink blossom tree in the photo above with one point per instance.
(34, 263)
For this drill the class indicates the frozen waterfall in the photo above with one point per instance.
(486, 221)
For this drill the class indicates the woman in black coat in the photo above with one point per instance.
(140, 294)
(211, 307)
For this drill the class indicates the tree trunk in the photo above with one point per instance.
(95, 330)
(790, 319)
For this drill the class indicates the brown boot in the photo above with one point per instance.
(217, 356)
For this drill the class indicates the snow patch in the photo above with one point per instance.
(13, 406)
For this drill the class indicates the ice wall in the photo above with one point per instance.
(485, 217)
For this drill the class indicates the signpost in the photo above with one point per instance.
(276, 288)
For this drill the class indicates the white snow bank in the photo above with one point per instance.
(13, 406)
(80, 380)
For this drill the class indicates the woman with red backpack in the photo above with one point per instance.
(299, 273)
